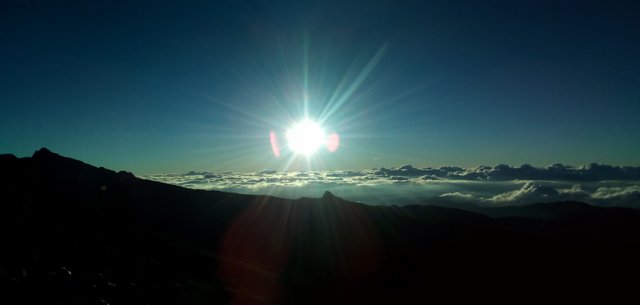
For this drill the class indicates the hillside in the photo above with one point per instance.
(77, 234)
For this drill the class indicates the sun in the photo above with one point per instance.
(305, 137)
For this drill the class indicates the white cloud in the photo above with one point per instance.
(612, 192)
(529, 192)
(619, 196)
(532, 192)
(457, 196)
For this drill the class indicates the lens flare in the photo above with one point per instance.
(274, 143)
(333, 141)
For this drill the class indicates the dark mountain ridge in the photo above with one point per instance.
(77, 234)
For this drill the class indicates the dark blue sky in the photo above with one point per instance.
(153, 87)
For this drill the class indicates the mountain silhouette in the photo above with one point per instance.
(73, 233)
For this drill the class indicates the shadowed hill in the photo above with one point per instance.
(78, 234)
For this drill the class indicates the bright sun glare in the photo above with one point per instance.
(305, 137)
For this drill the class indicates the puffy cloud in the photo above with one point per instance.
(532, 192)
(457, 196)
(619, 196)
(529, 192)
(611, 192)
(591, 172)
(575, 193)
(503, 172)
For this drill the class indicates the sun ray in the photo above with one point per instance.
(334, 104)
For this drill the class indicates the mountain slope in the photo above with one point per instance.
(74, 233)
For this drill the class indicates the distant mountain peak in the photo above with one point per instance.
(43, 152)
(329, 195)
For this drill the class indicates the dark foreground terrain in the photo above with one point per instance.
(72, 233)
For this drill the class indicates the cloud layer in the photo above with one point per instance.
(500, 185)
(503, 172)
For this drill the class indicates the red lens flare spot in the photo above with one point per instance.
(333, 141)
(274, 143)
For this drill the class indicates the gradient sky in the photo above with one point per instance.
(151, 87)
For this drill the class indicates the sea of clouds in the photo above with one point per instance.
(597, 184)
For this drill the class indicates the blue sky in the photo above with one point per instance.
(154, 87)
